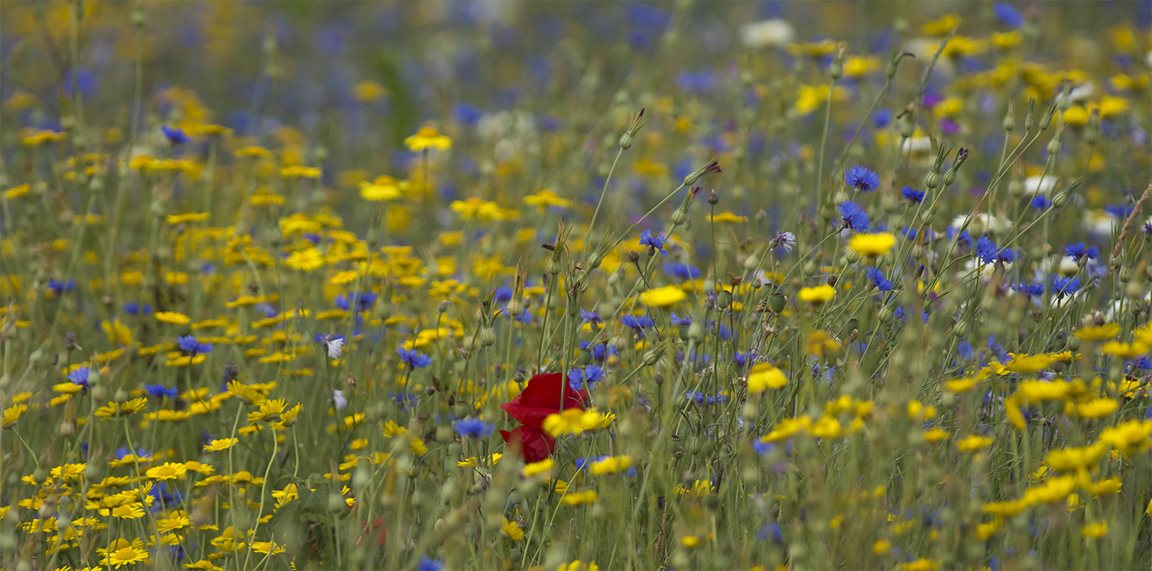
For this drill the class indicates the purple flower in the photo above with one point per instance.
(161, 391)
(912, 195)
(80, 376)
(1065, 286)
(1008, 15)
(989, 252)
(637, 322)
(877, 278)
(854, 217)
(414, 359)
(655, 243)
(861, 178)
(175, 136)
(1079, 251)
(190, 346)
(681, 271)
(473, 428)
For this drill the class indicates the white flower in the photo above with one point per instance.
(1082, 92)
(916, 145)
(983, 222)
(774, 32)
(335, 346)
(338, 399)
(1034, 185)
(1100, 223)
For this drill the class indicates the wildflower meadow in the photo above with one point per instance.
(509, 285)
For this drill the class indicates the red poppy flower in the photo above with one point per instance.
(546, 393)
(532, 443)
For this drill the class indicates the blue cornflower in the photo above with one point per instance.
(724, 332)
(590, 317)
(584, 378)
(1078, 251)
(362, 300)
(58, 287)
(190, 346)
(468, 114)
(414, 359)
(124, 451)
(1041, 202)
(1119, 210)
(681, 271)
(1008, 15)
(165, 497)
(853, 216)
(175, 136)
(912, 195)
(655, 243)
(1029, 289)
(502, 295)
(878, 279)
(599, 351)
(771, 531)
(133, 308)
(964, 349)
(681, 321)
(161, 391)
(1143, 363)
(989, 252)
(1065, 286)
(861, 178)
(762, 447)
(80, 376)
(473, 428)
(740, 358)
(882, 118)
(637, 322)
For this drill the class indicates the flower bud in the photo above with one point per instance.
(724, 299)
(932, 181)
(696, 332)
(776, 302)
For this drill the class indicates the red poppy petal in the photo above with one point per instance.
(531, 443)
(543, 396)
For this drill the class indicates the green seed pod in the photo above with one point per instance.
(1135, 290)
(950, 177)
(724, 299)
(679, 216)
(335, 503)
(751, 410)
(1060, 200)
(776, 302)
(626, 141)
(443, 434)
(696, 332)
(932, 181)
